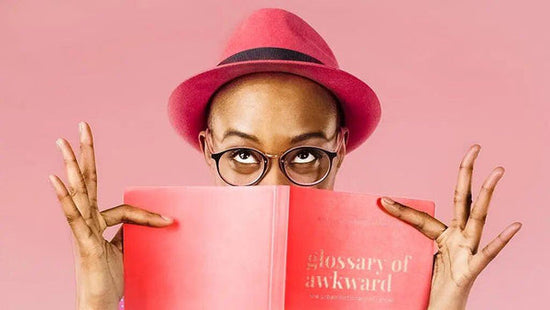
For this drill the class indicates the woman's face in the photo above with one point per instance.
(272, 112)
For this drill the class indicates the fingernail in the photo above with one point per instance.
(166, 218)
(80, 126)
(388, 201)
(58, 142)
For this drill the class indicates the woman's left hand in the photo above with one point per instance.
(458, 261)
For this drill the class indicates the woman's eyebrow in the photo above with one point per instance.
(233, 132)
(298, 138)
(308, 135)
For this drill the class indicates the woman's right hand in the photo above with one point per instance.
(99, 264)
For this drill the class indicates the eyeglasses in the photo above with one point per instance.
(302, 165)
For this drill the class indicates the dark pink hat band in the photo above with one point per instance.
(265, 53)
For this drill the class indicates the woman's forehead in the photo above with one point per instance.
(274, 108)
(278, 131)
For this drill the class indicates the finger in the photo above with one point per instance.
(118, 239)
(478, 214)
(76, 188)
(463, 192)
(87, 162)
(489, 252)
(80, 229)
(88, 169)
(133, 215)
(420, 220)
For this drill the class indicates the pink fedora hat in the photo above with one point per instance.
(273, 39)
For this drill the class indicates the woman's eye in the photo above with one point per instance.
(303, 157)
(244, 157)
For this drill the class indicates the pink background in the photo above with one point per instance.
(448, 74)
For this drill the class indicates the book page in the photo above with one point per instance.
(345, 252)
(219, 255)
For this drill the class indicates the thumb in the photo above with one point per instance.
(129, 214)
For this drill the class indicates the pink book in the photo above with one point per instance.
(274, 247)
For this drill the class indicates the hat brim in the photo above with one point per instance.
(361, 107)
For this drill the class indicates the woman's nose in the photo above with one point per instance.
(274, 176)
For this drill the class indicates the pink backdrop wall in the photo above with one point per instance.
(448, 74)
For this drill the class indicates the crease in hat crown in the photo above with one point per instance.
(275, 27)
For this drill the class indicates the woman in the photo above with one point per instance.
(265, 113)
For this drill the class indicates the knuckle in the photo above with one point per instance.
(152, 214)
(422, 222)
(482, 218)
(487, 189)
(71, 191)
(488, 253)
(90, 175)
(65, 198)
(82, 189)
(88, 143)
(466, 167)
(149, 218)
(70, 161)
(71, 218)
(399, 207)
(125, 208)
(127, 214)
(124, 218)
(398, 215)
(460, 197)
(134, 214)
(458, 223)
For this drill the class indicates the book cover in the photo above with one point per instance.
(274, 247)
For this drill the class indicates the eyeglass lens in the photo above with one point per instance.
(304, 165)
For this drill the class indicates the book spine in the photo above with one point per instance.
(279, 236)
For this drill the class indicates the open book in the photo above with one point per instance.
(274, 247)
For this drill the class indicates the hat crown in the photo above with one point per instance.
(274, 27)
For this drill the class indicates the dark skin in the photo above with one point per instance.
(275, 108)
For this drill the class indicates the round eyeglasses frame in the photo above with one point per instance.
(281, 159)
